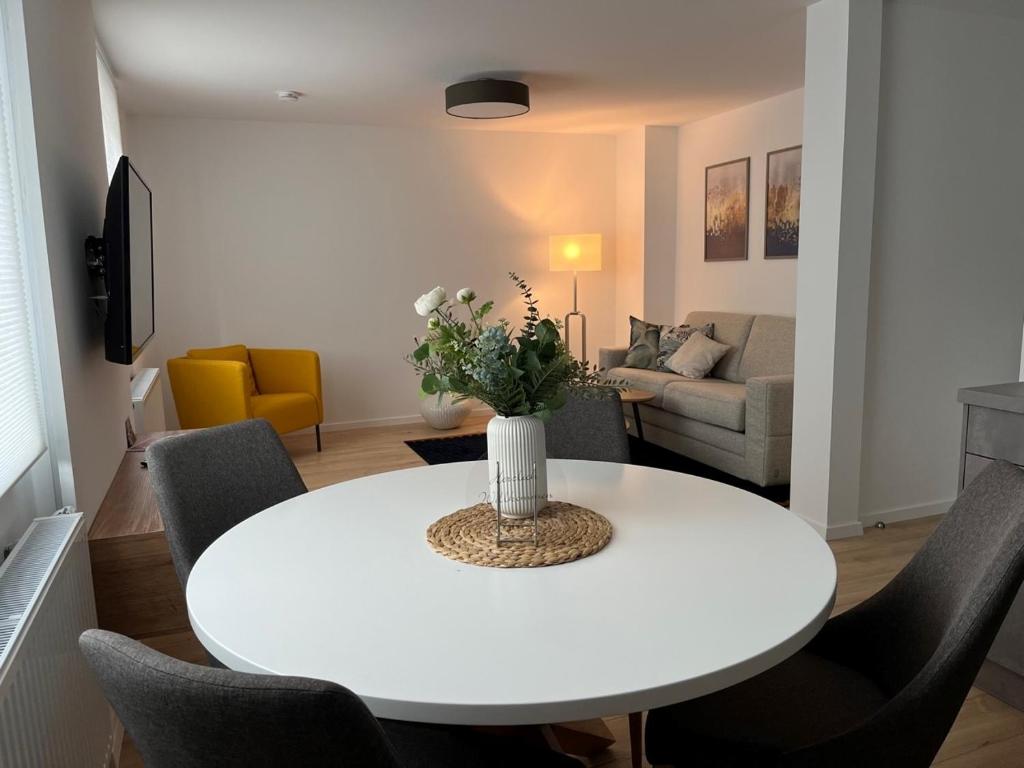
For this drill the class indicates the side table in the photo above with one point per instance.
(635, 397)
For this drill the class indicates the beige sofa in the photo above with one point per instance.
(740, 418)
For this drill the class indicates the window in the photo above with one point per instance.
(110, 113)
(22, 434)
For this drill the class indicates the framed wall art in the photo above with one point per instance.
(726, 210)
(782, 204)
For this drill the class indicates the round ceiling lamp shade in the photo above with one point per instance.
(487, 99)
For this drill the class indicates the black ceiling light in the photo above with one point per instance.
(487, 99)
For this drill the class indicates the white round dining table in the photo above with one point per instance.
(702, 586)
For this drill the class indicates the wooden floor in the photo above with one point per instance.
(987, 733)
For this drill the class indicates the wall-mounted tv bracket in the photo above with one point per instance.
(96, 263)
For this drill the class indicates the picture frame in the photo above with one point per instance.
(727, 210)
(782, 180)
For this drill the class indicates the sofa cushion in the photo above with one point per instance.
(713, 401)
(643, 344)
(732, 329)
(769, 350)
(673, 337)
(651, 381)
(697, 356)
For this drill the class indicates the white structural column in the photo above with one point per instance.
(840, 131)
(646, 206)
(629, 230)
(660, 205)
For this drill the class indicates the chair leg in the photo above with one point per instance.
(318, 446)
(636, 739)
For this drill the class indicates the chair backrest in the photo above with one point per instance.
(923, 638)
(210, 480)
(185, 716)
(588, 428)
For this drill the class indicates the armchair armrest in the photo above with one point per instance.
(288, 370)
(208, 393)
(611, 357)
(770, 405)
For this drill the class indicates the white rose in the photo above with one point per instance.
(430, 301)
(465, 295)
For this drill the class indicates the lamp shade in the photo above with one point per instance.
(486, 99)
(574, 253)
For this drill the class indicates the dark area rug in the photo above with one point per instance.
(444, 450)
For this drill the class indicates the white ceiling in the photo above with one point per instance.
(592, 65)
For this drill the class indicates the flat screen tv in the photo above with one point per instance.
(123, 258)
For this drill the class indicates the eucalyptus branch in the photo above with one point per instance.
(518, 374)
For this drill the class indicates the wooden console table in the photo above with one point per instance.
(137, 591)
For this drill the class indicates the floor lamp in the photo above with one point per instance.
(575, 253)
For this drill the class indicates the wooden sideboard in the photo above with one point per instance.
(137, 591)
(993, 428)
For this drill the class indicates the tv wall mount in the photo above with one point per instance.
(96, 263)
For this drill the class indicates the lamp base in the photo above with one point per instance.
(583, 333)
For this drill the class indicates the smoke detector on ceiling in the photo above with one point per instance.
(289, 95)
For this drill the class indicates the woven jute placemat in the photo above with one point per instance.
(565, 532)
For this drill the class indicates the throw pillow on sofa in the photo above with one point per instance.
(697, 356)
(673, 337)
(643, 344)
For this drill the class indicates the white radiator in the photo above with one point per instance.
(52, 713)
(148, 402)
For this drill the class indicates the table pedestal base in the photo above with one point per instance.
(586, 738)
(636, 735)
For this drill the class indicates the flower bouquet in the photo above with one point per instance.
(523, 375)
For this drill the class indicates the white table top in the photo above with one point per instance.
(702, 586)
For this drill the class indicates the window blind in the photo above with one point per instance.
(22, 436)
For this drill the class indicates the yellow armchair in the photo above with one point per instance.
(228, 384)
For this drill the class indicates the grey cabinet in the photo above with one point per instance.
(994, 429)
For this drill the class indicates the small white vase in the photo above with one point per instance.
(441, 412)
(515, 445)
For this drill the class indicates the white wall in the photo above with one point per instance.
(73, 181)
(756, 285)
(322, 236)
(947, 271)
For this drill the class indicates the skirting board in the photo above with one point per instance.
(831, 532)
(844, 531)
(847, 530)
(1005, 684)
(387, 421)
(906, 513)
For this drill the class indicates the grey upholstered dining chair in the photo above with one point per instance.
(882, 683)
(588, 428)
(209, 480)
(185, 716)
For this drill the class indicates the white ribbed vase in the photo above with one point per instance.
(441, 412)
(517, 443)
